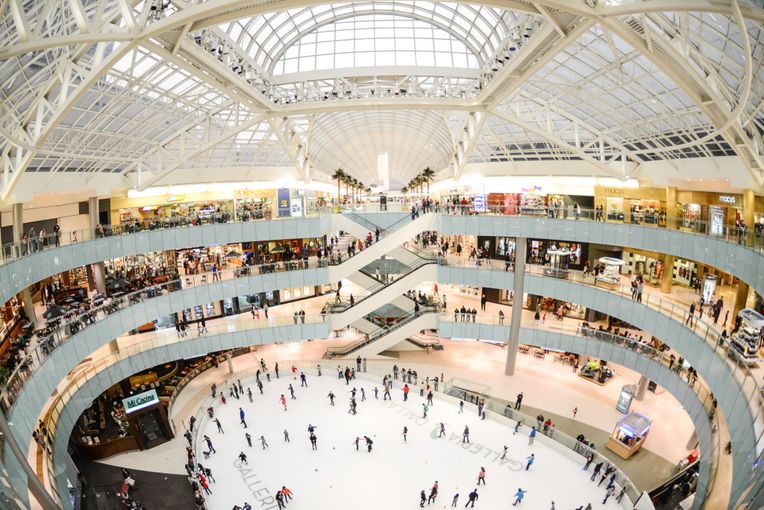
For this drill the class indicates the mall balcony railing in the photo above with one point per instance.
(748, 237)
(52, 338)
(92, 370)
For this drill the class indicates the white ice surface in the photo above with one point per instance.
(391, 477)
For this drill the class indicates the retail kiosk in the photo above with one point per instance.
(629, 434)
(610, 276)
(744, 344)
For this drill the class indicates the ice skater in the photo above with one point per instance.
(282, 399)
(455, 500)
(243, 458)
(313, 441)
(286, 493)
(363, 395)
(286, 436)
(433, 493)
(331, 398)
(248, 438)
(303, 380)
(442, 430)
(481, 476)
(517, 427)
(376, 393)
(471, 498)
(209, 444)
(263, 442)
(406, 392)
(529, 461)
(369, 442)
(291, 392)
(386, 395)
(504, 453)
(466, 435)
(260, 386)
(422, 499)
(405, 433)
(280, 500)
(220, 427)
(461, 406)
(519, 495)
(424, 410)
(357, 442)
(249, 395)
(532, 435)
(241, 417)
(609, 492)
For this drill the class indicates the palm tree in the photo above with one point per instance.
(404, 190)
(427, 175)
(340, 175)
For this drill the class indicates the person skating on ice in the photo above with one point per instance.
(432, 496)
(466, 435)
(291, 392)
(220, 427)
(442, 430)
(620, 494)
(249, 395)
(313, 441)
(517, 427)
(363, 394)
(357, 442)
(282, 399)
(461, 406)
(376, 393)
(248, 438)
(471, 498)
(260, 386)
(406, 390)
(529, 461)
(241, 417)
(429, 397)
(455, 500)
(532, 435)
(303, 380)
(422, 499)
(243, 458)
(424, 410)
(597, 468)
(519, 495)
(481, 476)
(405, 433)
(286, 493)
(280, 500)
(504, 453)
(331, 398)
(286, 436)
(263, 442)
(369, 442)
(209, 444)
(352, 410)
(608, 492)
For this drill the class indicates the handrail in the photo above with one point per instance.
(80, 378)
(53, 339)
(747, 237)
(41, 352)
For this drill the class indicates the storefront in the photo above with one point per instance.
(173, 207)
(716, 210)
(253, 204)
(534, 201)
(632, 205)
(538, 253)
(646, 264)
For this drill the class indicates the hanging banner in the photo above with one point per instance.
(284, 202)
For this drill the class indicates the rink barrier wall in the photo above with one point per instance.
(739, 260)
(89, 384)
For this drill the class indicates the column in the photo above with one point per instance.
(98, 268)
(641, 388)
(668, 274)
(671, 207)
(521, 249)
(229, 360)
(741, 296)
(18, 234)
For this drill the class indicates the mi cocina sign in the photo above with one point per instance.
(139, 401)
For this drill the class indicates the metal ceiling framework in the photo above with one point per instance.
(632, 81)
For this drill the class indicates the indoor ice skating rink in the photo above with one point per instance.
(391, 477)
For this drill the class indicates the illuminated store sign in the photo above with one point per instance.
(140, 401)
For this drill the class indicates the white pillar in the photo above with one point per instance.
(229, 359)
(98, 269)
(18, 235)
(641, 388)
(521, 248)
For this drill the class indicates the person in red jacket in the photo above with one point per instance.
(405, 392)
